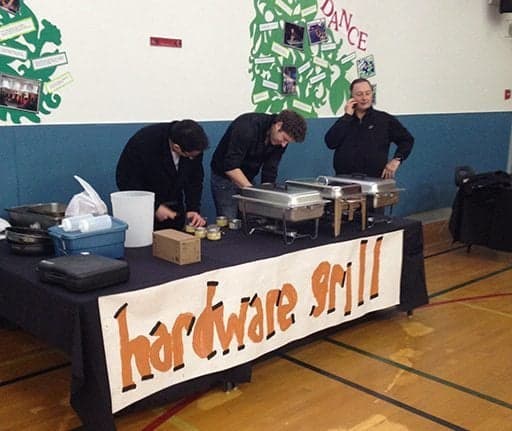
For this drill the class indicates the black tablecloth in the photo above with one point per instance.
(70, 321)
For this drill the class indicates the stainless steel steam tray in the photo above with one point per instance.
(278, 203)
(369, 185)
(381, 192)
(38, 216)
(327, 191)
(279, 196)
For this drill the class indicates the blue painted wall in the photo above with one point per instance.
(37, 163)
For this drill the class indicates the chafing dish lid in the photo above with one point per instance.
(330, 191)
(370, 185)
(279, 196)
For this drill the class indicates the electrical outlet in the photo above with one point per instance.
(508, 28)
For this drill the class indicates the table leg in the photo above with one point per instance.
(363, 213)
(337, 218)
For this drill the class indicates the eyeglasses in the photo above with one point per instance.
(186, 154)
(363, 93)
(190, 154)
(286, 137)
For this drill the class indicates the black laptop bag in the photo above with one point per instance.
(81, 273)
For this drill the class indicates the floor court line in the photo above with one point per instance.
(422, 374)
(466, 283)
(34, 374)
(375, 394)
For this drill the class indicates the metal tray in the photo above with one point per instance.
(327, 191)
(278, 203)
(276, 211)
(369, 185)
(28, 241)
(39, 216)
(278, 196)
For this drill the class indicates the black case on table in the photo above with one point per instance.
(81, 273)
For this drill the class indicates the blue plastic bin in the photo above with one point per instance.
(106, 242)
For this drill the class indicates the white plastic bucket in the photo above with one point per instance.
(136, 208)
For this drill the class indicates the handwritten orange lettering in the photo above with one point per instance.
(374, 291)
(202, 340)
(170, 344)
(137, 348)
(255, 331)
(337, 276)
(320, 286)
(362, 269)
(284, 308)
(324, 281)
(348, 290)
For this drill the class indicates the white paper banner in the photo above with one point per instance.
(166, 334)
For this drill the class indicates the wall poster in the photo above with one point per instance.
(30, 54)
(304, 55)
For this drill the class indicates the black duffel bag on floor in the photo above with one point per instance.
(480, 213)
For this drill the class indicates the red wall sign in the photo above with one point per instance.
(164, 41)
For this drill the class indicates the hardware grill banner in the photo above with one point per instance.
(163, 335)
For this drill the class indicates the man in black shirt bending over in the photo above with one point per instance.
(252, 142)
(362, 136)
(166, 159)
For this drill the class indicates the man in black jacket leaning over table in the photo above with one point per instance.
(167, 159)
(362, 136)
(253, 141)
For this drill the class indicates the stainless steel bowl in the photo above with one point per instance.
(37, 216)
(28, 241)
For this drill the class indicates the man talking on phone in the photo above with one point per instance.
(362, 136)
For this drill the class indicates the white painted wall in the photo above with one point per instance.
(435, 56)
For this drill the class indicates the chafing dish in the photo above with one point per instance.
(327, 191)
(279, 203)
(347, 197)
(37, 216)
(275, 202)
(382, 192)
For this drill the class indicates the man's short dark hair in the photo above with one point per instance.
(359, 81)
(189, 135)
(293, 124)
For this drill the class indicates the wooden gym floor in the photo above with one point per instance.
(446, 367)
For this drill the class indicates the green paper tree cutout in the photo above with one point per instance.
(332, 89)
(35, 44)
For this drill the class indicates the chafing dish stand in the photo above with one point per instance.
(350, 206)
(381, 192)
(279, 227)
(346, 197)
(273, 202)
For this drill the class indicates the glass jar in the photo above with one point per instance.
(213, 232)
(200, 232)
(235, 224)
(190, 228)
(222, 221)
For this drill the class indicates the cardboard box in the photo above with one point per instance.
(177, 247)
